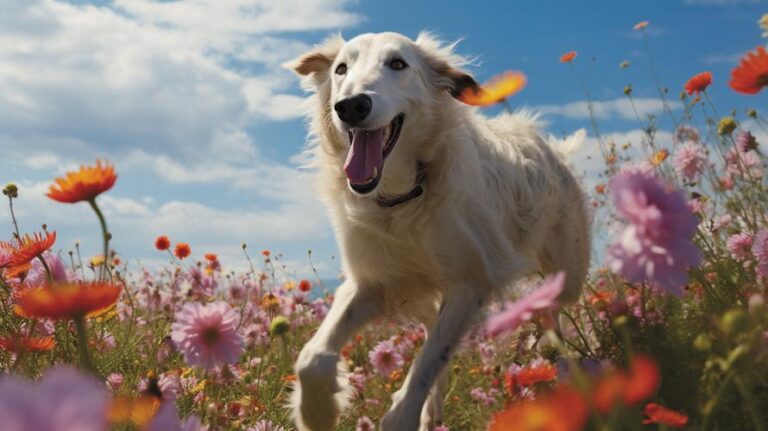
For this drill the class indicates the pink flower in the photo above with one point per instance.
(741, 164)
(206, 334)
(515, 313)
(365, 424)
(385, 358)
(689, 161)
(37, 275)
(685, 134)
(760, 251)
(63, 400)
(441, 428)
(740, 245)
(115, 381)
(266, 425)
(745, 142)
(656, 245)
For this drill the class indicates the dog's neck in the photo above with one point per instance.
(416, 191)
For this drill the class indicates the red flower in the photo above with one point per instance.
(568, 57)
(24, 344)
(661, 415)
(630, 387)
(751, 75)
(162, 243)
(564, 409)
(698, 83)
(68, 300)
(305, 286)
(265, 253)
(211, 257)
(529, 376)
(30, 247)
(182, 250)
(83, 185)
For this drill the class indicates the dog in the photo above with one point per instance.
(436, 209)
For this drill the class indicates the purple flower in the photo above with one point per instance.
(515, 313)
(63, 400)
(689, 161)
(760, 251)
(206, 334)
(385, 358)
(656, 245)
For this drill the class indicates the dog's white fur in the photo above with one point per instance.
(498, 204)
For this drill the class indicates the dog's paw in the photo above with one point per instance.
(314, 401)
(400, 418)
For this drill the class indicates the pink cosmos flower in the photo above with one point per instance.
(365, 424)
(266, 425)
(740, 245)
(63, 400)
(206, 334)
(115, 381)
(741, 164)
(385, 358)
(745, 142)
(760, 251)
(689, 161)
(515, 313)
(37, 275)
(656, 245)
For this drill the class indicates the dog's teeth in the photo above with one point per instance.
(375, 173)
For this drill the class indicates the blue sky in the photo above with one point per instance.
(188, 99)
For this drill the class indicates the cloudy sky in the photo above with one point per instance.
(189, 100)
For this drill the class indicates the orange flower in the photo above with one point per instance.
(305, 286)
(641, 25)
(68, 300)
(211, 257)
(22, 344)
(139, 410)
(661, 415)
(83, 185)
(265, 253)
(631, 387)
(698, 83)
(751, 75)
(30, 247)
(162, 243)
(270, 303)
(568, 57)
(564, 409)
(529, 376)
(494, 91)
(182, 250)
(659, 157)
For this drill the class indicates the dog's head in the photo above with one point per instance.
(381, 94)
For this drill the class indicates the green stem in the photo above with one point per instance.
(754, 410)
(47, 268)
(105, 235)
(13, 217)
(82, 344)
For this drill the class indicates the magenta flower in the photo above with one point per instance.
(656, 245)
(760, 251)
(206, 335)
(689, 161)
(740, 246)
(63, 400)
(385, 358)
(515, 313)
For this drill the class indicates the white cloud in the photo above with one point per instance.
(621, 108)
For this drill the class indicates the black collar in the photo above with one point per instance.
(416, 191)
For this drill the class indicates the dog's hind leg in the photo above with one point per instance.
(567, 249)
(319, 395)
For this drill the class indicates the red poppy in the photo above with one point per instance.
(84, 184)
(30, 247)
(661, 415)
(751, 75)
(630, 387)
(568, 57)
(182, 250)
(211, 257)
(162, 243)
(698, 83)
(564, 409)
(68, 300)
(24, 344)
(305, 286)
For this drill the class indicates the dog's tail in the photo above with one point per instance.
(570, 144)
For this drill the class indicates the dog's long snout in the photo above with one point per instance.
(355, 109)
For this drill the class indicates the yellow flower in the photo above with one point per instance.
(659, 157)
(726, 126)
(97, 261)
(199, 387)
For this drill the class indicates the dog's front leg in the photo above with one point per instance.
(318, 397)
(458, 312)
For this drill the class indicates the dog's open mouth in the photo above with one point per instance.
(368, 149)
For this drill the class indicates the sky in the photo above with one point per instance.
(190, 102)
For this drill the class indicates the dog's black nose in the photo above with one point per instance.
(353, 110)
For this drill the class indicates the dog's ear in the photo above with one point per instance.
(445, 65)
(317, 61)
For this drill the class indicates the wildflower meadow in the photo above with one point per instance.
(671, 331)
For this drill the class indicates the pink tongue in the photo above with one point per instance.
(365, 154)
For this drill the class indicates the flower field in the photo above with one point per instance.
(671, 330)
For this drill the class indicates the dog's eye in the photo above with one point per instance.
(341, 69)
(397, 64)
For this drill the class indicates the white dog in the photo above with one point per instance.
(435, 208)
